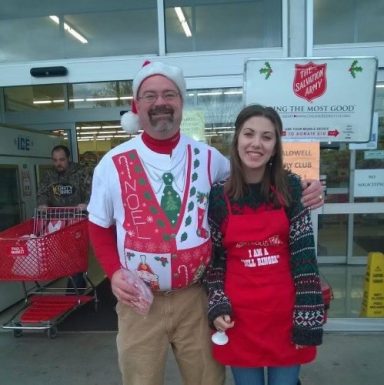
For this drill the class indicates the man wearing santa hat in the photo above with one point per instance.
(148, 214)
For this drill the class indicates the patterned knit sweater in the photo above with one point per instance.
(308, 314)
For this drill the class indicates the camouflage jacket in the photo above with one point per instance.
(67, 189)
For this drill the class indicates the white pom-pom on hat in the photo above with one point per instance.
(130, 123)
(130, 120)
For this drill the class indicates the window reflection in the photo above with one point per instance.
(102, 94)
(335, 165)
(109, 29)
(37, 98)
(368, 233)
(327, 243)
(346, 21)
(223, 25)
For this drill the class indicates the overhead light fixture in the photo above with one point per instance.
(102, 99)
(183, 21)
(69, 29)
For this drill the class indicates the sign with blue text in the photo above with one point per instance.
(318, 99)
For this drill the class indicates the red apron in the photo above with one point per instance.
(260, 287)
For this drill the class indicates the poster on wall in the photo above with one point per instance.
(193, 124)
(369, 183)
(302, 159)
(318, 99)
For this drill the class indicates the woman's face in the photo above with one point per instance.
(256, 146)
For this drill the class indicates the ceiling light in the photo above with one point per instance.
(42, 101)
(69, 29)
(233, 92)
(89, 127)
(183, 22)
(101, 99)
(213, 93)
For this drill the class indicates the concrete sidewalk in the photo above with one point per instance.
(90, 359)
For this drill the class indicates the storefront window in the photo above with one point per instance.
(100, 95)
(327, 243)
(33, 30)
(35, 98)
(193, 25)
(348, 21)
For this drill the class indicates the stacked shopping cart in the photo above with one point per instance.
(51, 245)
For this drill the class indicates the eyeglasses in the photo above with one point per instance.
(151, 97)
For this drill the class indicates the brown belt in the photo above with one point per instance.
(175, 291)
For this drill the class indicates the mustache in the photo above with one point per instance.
(161, 110)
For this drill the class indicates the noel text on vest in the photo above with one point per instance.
(131, 198)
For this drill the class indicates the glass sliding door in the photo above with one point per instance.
(10, 202)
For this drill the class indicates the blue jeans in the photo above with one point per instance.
(277, 375)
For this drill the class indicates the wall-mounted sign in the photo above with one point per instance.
(374, 154)
(318, 99)
(193, 124)
(369, 183)
(24, 142)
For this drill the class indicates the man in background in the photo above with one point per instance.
(67, 185)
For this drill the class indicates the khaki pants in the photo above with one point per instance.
(177, 319)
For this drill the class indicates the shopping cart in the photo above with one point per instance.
(51, 245)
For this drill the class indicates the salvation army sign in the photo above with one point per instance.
(310, 80)
(318, 99)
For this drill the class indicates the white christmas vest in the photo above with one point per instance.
(167, 256)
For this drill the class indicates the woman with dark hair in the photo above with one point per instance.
(263, 284)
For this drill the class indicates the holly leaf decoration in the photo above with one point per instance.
(162, 260)
(266, 70)
(184, 236)
(354, 68)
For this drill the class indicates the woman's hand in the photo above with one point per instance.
(223, 322)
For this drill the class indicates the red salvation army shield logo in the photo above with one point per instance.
(310, 80)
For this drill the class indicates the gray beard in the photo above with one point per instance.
(162, 125)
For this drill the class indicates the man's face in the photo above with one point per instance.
(159, 107)
(60, 161)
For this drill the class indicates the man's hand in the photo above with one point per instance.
(123, 291)
(313, 193)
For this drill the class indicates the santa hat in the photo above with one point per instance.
(130, 120)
